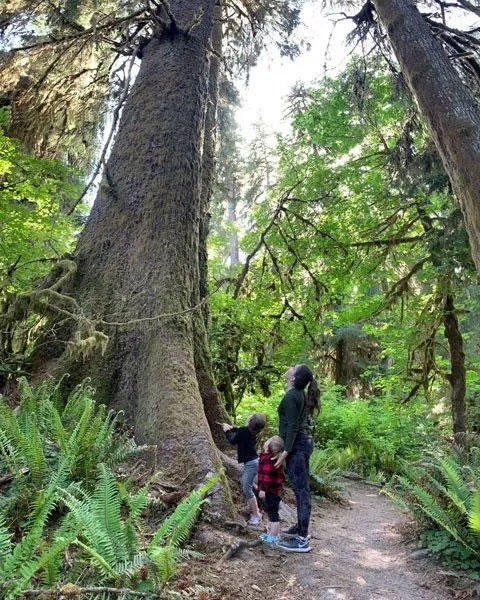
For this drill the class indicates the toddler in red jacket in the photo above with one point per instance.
(270, 481)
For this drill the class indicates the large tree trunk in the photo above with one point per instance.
(212, 403)
(447, 105)
(457, 375)
(138, 254)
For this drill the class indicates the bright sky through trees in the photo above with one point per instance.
(271, 80)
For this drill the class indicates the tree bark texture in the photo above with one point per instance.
(457, 375)
(138, 254)
(449, 108)
(212, 403)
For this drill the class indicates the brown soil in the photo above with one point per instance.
(359, 552)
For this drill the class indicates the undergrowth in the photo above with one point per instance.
(442, 493)
(60, 496)
(374, 437)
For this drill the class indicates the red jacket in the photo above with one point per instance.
(270, 478)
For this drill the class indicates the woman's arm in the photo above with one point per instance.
(281, 458)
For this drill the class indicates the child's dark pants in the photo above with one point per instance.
(272, 504)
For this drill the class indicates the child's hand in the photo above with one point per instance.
(226, 426)
(261, 494)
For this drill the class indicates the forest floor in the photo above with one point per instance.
(362, 550)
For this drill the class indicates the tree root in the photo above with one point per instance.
(236, 547)
(70, 590)
(236, 525)
(232, 469)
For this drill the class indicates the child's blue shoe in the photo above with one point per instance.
(268, 538)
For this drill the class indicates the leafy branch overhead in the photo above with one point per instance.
(71, 66)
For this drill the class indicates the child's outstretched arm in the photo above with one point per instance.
(231, 433)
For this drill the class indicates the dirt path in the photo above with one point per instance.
(357, 554)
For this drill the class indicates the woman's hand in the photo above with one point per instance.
(226, 426)
(261, 494)
(281, 458)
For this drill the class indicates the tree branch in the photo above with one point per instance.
(71, 590)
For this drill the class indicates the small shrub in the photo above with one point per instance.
(373, 437)
(324, 476)
(443, 495)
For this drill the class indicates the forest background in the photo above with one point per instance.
(349, 244)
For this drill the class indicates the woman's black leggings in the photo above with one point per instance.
(299, 475)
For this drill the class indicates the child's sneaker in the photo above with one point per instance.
(268, 538)
(255, 520)
(294, 544)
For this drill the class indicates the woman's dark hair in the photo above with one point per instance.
(304, 377)
(257, 422)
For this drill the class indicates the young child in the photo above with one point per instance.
(246, 439)
(270, 480)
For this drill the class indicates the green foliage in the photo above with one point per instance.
(164, 549)
(98, 518)
(33, 198)
(61, 497)
(108, 536)
(351, 253)
(21, 561)
(450, 552)
(39, 438)
(474, 516)
(36, 230)
(374, 437)
(324, 476)
(442, 493)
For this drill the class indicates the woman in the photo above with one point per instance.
(294, 412)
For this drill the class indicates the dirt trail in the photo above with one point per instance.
(357, 554)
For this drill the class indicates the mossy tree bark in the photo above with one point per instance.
(138, 256)
(449, 108)
(212, 403)
(457, 375)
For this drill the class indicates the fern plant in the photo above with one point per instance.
(324, 475)
(20, 562)
(164, 549)
(443, 496)
(62, 492)
(474, 514)
(39, 435)
(108, 537)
